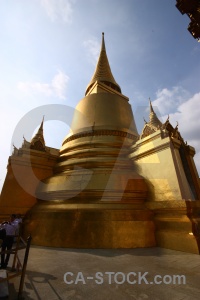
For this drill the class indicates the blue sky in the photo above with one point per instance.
(49, 49)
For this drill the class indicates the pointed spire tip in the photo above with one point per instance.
(150, 101)
(103, 72)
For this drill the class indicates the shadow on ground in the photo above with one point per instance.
(155, 251)
(32, 278)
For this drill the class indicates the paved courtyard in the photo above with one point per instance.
(90, 274)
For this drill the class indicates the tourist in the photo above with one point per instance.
(7, 244)
(17, 222)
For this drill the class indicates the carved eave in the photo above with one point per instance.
(174, 132)
(25, 144)
(15, 151)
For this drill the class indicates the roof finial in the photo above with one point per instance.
(151, 107)
(41, 125)
(103, 47)
(167, 121)
(153, 119)
(39, 137)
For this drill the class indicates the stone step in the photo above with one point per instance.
(3, 285)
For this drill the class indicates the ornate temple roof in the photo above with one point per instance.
(153, 125)
(103, 72)
(38, 142)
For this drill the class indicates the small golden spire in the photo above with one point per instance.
(151, 107)
(153, 119)
(38, 142)
(41, 125)
(103, 47)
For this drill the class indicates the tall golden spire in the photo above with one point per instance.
(103, 72)
(153, 119)
(38, 142)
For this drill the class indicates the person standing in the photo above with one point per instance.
(7, 244)
(18, 223)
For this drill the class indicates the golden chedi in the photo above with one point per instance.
(95, 198)
(108, 186)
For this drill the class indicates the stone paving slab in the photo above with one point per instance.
(3, 285)
(47, 266)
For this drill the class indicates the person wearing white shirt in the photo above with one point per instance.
(18, 222)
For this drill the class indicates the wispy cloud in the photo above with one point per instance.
(59, 84)
(169, 100)
(187, 115)
(59, 9)
(56, 88)
(93, 47)
(189, 123)
(186, 111)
